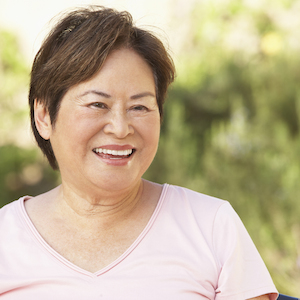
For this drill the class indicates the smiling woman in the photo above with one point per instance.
(112, 111)
(98, 85)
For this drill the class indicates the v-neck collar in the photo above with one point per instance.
(66, 263)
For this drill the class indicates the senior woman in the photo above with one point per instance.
(97, 90)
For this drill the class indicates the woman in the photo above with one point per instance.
(98, 85)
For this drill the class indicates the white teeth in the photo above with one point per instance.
(114, 152)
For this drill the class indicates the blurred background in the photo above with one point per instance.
(232, 119)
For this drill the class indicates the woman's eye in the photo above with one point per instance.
(140, 108)
(99, 105)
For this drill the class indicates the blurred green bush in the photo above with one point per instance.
(23, 170)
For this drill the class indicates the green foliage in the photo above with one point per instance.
(22, 172)
(232, 123)
(13, 79)
(22, 169)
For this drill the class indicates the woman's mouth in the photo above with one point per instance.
(114, 154)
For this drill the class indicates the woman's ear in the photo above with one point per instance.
(42, 120)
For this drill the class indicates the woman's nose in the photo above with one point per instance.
(119, 124)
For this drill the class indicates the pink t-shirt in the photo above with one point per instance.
(194, 247)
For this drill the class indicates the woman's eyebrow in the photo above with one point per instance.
(105, 95)
(99, 93)
(142, 95)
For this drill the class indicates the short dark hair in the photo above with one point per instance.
(76, 48)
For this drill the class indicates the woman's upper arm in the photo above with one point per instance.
(237, 254)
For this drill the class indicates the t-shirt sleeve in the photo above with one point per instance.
(243, 273)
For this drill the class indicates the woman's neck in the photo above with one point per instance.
(105, 208)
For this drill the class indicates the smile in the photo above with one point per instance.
(113, 154)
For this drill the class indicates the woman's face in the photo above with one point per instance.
(107, 129)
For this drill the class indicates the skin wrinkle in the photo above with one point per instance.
(102, 208)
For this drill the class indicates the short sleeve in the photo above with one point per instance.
(243, 273)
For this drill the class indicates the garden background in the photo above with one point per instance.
(232, 119)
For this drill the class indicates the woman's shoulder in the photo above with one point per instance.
(11, 209)
(187, 204)
(193, 198)
(11, 216)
